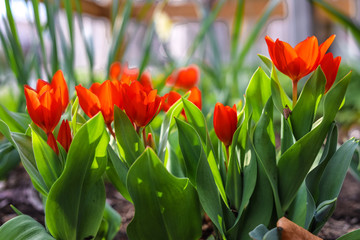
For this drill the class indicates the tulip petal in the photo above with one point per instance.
(88, 101)
(325, 46)
(308, 51)
(59, 84)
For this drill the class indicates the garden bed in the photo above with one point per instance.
(18, 191)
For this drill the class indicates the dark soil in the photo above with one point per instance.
(18, 191)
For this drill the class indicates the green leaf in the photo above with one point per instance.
(286, 135)
(268, 63)
(354, 235)
(335, 171)
(9, 158)
(257, 94)
(191, 148)
(280, 99)
(303, 114)
(23, 145)
(259, 232)
(295, 163)
(129, 141)
(24, 227)
(259, 211)
(76, 201)
(264, 145)
(117, 172)
(17, 122)
(110, 224)
(47, 162)
(234, 184)
(166, 207)
(168, 122)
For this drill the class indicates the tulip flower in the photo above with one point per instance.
(299, 61)
(47, 102)
(184, 78)
(171, 97)
(225, 122)
(330, 67)
(141, 104)
(100, 97)
(52, 143)
(129, 75)
(64, 135)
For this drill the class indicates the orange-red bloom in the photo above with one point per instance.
(46, 104)
(171, 97)
(299, 61)
(141, 104)
(225, 122)
(64, 136)
(330, 67)
(129, 75)
(100, 97)
(184, 78)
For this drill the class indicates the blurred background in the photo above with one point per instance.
(83, 38)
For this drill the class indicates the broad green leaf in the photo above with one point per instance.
(257, 94)
(128, 140)
(295, 163)
(196, 119)
(268, 63)
(322, 213)
(23, 145)
(264, 145)
(260, 207)
(191, 148)
(280, 99)
(17, 122)
(354, 235)
(47, 162)
(76, 201)
(299, 207)
(117, 172)
(234, 184)
(335, 171)
(166, 207)
(175, 163)
(273, 234)
(259, 232)
(303, 114)
(168, 122)
(24, 227)
(9, 158)
(110, 224)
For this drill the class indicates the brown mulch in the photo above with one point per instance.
(18, 191)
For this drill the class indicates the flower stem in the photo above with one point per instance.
(144, 137)
(227, 158)
(294, 93)
(111, 130)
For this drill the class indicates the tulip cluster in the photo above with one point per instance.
(298, 62)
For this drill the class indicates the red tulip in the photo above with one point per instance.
(330, 67)
(299, 61)
(225, 122)
(64, 136)
(169, 99)
(195, 97)
(141, 104)
(128, 75)
(184, 78)
(100, 97)
(46, 104)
